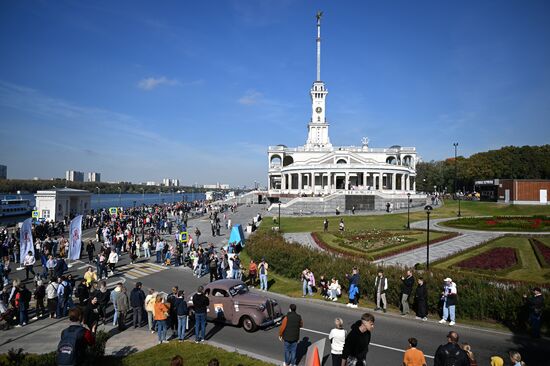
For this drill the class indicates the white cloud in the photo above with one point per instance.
(151, 83)
(251, 97)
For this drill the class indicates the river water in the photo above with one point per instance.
(127, 200)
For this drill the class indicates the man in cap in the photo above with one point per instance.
(449, 298)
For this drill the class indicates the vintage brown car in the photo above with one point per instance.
(231, 302)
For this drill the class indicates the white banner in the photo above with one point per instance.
(25, 240)
(75, 237)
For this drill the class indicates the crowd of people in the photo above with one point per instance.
(88, 302)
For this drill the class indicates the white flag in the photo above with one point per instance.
(25, 240)
(75, 237)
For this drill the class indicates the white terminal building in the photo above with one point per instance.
(54, 204)
(319, 172)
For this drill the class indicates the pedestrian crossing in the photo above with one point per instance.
(138, 270)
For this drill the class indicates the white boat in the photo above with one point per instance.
(14, 206)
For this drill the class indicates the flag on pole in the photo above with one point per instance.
(75, 237)
(25, 240)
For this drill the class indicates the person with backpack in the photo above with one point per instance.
(182, 312)
(451, 354)
(22, 301)
(123, 305)
(198, 235)
(51, 298)
(137, 301)
(71, 350)
(63, 294)
(39, 295)
(82, 292)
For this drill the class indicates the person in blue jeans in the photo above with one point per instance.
(289, 334)
(449, 296)
(262, 269)
(182, 312)
(307, 282)
(200, 304)
(162, 310)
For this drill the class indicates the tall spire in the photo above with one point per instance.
(319, 15)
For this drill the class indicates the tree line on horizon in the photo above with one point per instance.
(509, 162)
(11, 186)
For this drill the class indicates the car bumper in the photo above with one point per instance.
(273, 321)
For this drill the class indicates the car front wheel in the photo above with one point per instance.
(248, 324)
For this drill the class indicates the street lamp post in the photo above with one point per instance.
(119, 196)
(279, 216)
(428, 210)
(408, 211)
(456, 177)
(142, 195)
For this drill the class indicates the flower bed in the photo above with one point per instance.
(502, 223)
(398, 250)
(542, 252)
(494, 259)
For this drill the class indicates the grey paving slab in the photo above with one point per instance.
(304, 239)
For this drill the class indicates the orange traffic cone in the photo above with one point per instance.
(315, 360)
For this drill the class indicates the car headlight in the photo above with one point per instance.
(261, 307)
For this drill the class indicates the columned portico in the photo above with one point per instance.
(318, 168)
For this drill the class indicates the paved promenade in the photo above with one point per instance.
(304, 239)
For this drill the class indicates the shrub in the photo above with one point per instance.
(479, 299)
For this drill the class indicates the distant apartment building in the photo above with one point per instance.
(3, 172)
(94, 177)
(216, 186)
(74, 176)
(150, 183)
(168, 182)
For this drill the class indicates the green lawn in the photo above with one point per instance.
(399, 221)
(192, 354)
(530, 270)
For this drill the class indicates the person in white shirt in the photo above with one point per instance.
(337, 338)
(449, 296)
(112, 261)
(28, 262)
(334, 290)
(146, 250)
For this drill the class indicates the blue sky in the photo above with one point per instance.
(197, 90)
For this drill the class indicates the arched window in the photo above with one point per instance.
(341, 161)
(288, 160)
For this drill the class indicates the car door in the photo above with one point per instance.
(221, 306)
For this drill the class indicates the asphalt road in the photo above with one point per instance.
(389, 339)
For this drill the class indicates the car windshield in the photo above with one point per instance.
(238, 289)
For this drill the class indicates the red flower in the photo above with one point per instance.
(494, 259)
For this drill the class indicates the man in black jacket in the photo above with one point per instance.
(200, 304)
(421, 300)
(451, 353)
(182, 312)
(536, 307)
(137, 301)
(289, 334)
(357, 342)
(406, 290)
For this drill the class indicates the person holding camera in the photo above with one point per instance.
(535, 303)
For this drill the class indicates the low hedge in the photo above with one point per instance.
(478, 298)
(540, 256)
